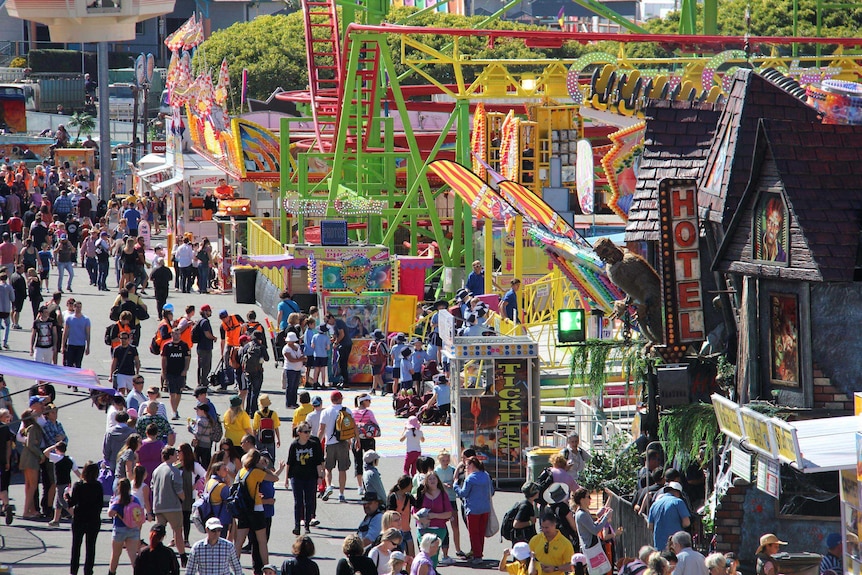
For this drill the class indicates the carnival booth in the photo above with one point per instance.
(495, 397)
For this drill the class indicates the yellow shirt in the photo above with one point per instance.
(301, 413)
(214, 488)
(559, 552)
(518, 568)
(255, 477)
(236, 429)
(255, 425)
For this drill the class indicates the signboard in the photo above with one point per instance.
(786, 442)
(354, 269)
(768, 476)
(571, 326)
(446, 328)
(727, 414)
(333, 232)
(158, 146)
(680, 242)
(756, 428)
(740, 462)
(496, 424)
(673, 386)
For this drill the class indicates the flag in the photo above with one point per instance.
(561, 17)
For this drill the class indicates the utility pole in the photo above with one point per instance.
(105, 161)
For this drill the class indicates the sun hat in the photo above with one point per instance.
(370, 456)
(579, 558)
(769, 539)
(556, 493)
(235, 401)
(264, 400)
(378, 334)
(413, 422)
(521, 551)
(292, 337)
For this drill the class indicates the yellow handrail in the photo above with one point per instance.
(261, 242)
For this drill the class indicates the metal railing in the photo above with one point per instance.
(262, 242)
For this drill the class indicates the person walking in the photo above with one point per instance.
(304, 469)
(252, 356)
(156, 558)
(126, 364)
(191, 472)
(76, 337)
(161, 277)
(175, 365)
(18, 281)
(266, 426)
(102, 249)
(254, 519)
(439, 511)
(204, 429)
(44, 340)
(230, 331)
(167, 488)
(337, 450)
(213, 555)
(237, 424)
(123, 534)
(476, 492)
(7, 303)
(205, 342)
(64, 255)
(294, 359)
(367, 429)
(86, 501)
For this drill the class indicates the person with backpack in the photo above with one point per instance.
(378, 356)
(205, 430)
(230, 331)
(285, 308)
(367, 430)
(252, 356)
(266, 425)
(519, 522)
(250, 514)
(304, 469)
(127, 515)
(202, 336)
(338, 431)
(123, 325)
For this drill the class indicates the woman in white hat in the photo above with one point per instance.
(367, 429)
(769, 546)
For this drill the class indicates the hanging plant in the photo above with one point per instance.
(590, 364)
(685, 429)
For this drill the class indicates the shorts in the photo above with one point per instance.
(243, 384)
(253, 521)
(405, 384)
(406, 536)
(320, 362)
(172, 518)
(59, 499)
(396, 373)
(175, 383)
(133, 232)
(19, 305)
(123, 533)
(5, 480)
(309, 361)
(377, 369)
(454, 504)
(338, 453)
(43, 354)
(417, 377)
(123, 381)
(44, 274)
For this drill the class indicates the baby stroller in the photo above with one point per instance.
(433, 415)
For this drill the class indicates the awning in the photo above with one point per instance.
(71, 376)
(273, 261)
(153, 171)
(168, 183)
(827, 444)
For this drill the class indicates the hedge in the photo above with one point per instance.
(69, 61)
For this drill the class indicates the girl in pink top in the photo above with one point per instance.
(367, 429)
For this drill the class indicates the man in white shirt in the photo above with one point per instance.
(313, 418)
(136, 397)
(337, 452)
(185, 255)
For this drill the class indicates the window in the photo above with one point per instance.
(809, 494)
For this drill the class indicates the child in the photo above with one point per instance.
(64, 466)
(446, 472)
(413, 437)
(371, 480)
(265, 426)
(397, 563)
(401, 501)
(406, 369)
(521, 565)
(46, 258)
(310, 323)
(320, 346)
(424, 466)
(395, 353)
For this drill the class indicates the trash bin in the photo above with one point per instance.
(244, 278)
(538, 459)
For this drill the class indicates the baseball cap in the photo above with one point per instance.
(316, 400)
(521, 551)
(832, 540)
(244, 339)
(168, 307)
(160, 529)
(397, 556)
(222, 313)
(675, 485)
(213, 524)
(335, 396)
(37, 398)
(206, 307)
(372, 456)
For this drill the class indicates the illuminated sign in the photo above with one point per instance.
(571, 326)
(680, 247)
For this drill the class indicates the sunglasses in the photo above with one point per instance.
(304, 431)
(547, 546)
(124, 337)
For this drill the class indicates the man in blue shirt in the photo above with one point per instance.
(668, 514)
(509, 303)
(476, 279)
(63, 205)
(132, 217)
(76, 338)
(285, 308)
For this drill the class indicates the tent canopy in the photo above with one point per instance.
(35, 371)
(827, 444)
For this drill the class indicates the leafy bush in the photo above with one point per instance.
(616, 468)
(18, 62)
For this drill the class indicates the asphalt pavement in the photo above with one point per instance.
(35, 547)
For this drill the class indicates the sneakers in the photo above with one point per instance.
(461, 554)
(53, 524)
(314, 522)
(184, 560)
(476, 561)
(361, 492)
(327, 493)
(296, 530)
(176, 416)
(447, 561)
(342, 499)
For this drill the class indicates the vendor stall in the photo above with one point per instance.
(495, 397)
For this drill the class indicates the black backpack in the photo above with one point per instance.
(109, 334)
(252, 357)
(239, 500)
(507, 525)
(197, 333)
(544, 480)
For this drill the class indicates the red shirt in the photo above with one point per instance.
(16, 225)
(8, 251)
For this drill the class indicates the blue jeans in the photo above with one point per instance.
(203, 278)
(65, 267)
(92, 267)
(7, 327)
(291, 387)
(102, 277)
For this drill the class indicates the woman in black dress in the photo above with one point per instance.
(87, 500)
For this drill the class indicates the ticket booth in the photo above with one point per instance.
(495, 398)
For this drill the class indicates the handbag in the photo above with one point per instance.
(597, 561)
(493, 525)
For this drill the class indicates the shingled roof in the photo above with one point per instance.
(751, 97)
(820, 169)
(676, 142)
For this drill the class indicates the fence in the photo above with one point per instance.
(635, 530)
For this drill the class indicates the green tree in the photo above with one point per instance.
(83, 122)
